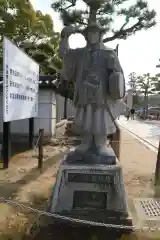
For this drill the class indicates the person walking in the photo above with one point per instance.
(132, 113)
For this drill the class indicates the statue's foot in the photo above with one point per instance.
(106, 154)
(103, 151)
(101, 146)
(82, 147)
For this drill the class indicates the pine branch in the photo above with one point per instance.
(139, 12)
(123, 33)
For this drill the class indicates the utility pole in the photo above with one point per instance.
(132, 77)
(157, 171)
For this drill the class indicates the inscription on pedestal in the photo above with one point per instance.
(90, 178)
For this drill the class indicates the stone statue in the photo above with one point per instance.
(85, 179)
(99, 86)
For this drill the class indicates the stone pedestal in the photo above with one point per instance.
(92, 191)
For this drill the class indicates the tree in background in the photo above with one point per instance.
(157, 83)
(30, 30)
(147, 84)
(136, 17)
(144, 85)
(132, 85)
(136, 100)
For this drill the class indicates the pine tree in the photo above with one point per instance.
(32, 31)
(136, 17)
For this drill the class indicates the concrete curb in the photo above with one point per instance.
(146, 143)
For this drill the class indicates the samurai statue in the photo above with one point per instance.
(99, 86)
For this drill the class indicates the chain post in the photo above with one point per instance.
(40, 149)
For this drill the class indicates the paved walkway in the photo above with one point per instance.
(147, 130)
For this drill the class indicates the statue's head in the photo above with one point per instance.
(93, 33)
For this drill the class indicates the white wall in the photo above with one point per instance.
(60, 107)
(70, 108)
(46, 116)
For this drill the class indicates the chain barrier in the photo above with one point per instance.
(86, 222)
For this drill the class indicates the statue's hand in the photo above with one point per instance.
(67, 31)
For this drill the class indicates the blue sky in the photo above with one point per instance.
(139, 53)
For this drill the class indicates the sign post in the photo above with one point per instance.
(6, 146)
(20, 91)
(31, 133)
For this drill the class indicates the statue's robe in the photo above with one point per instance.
(90, 70)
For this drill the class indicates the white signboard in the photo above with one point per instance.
(20, 84)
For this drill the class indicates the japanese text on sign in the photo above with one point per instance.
(20, 84)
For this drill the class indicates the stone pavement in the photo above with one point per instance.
(147, 130)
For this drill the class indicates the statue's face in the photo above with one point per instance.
(93, 36)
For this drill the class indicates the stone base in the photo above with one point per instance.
(92, 192)
(88, 157)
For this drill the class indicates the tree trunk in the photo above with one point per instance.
(157, 171)
(65, 108)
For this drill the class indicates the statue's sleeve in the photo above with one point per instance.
(113, 62)
(116, 80)
(69, 65)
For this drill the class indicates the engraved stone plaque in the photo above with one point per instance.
(89, 200)
(90, 178)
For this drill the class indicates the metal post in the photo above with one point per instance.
(31, 133)
(40, 148)
(6, 146)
